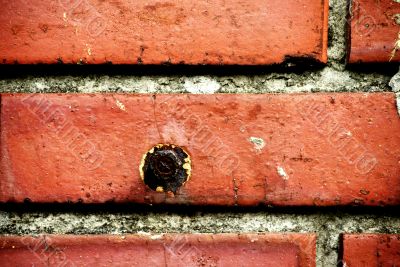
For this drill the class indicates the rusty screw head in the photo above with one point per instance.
(165, 168)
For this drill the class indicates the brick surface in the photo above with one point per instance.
(160, 250)
(374, 33)
(288, 149)
(158, 32)
(371, 250)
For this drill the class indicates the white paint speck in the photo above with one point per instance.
(89, 50)
(282, 173)
(258, 143)
(120, 105)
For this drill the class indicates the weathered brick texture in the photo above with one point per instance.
(163, 32)
(160, 250)
(374, 31)
(370, 250)
(298, 149)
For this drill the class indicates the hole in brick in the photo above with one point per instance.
(165, 168)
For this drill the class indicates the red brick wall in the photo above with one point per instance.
(307, 177)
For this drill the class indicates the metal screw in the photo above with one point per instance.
(165, 168)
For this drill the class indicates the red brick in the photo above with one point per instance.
(320, 149)
(374, 33)
(371, 250)
(160, 250)
(157, 32)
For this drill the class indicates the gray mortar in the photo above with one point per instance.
(329, 79)
(333, 78)
(395, 84)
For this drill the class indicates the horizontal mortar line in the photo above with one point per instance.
(364, 224)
